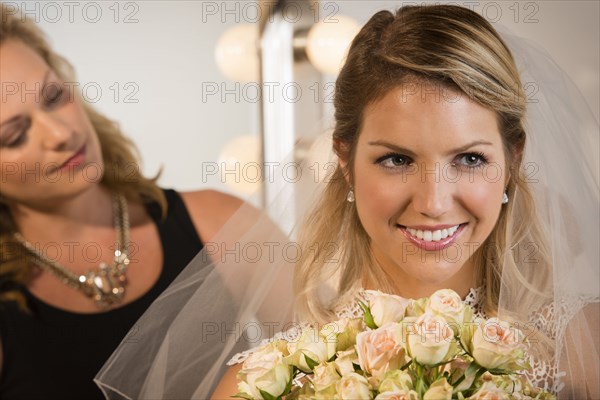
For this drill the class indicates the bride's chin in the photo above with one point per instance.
(431, 272)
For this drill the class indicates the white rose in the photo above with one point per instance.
(429, 339)
(398, 395)
(342, 332)
(345, 360)
(265, 370)
(497, 345)
(312, 345)
(325, 378)
(439, 390)
(396, 381)
(387, 308)
(379, 350)
(354, 386)
(449, 305)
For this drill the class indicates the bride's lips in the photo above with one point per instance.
(433, 245)
(75, 160)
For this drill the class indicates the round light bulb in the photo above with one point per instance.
(240, 166)
(328, 42)
(237, 53)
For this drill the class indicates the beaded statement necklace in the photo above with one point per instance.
(106, 284)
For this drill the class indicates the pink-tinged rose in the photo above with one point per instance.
(489, 391)
(265, 370)
(448, 304)
(387, 308)
(429, 339)
(497, 345)
(398, 395)
(379, 350)
(439, 390)
(354, 386)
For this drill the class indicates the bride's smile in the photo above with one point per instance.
(428, 177)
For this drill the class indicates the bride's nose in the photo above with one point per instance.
(432, 195)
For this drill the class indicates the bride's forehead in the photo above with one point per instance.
(428, 118)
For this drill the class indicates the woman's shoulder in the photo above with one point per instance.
(210, 210)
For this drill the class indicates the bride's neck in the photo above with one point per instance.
(411, 288)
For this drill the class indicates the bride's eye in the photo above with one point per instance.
(472, 160)
(393, 161)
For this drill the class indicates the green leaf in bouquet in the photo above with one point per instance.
(498, 371)
(241, 395)
(467, 379)
(356, 367)
(268, 396)
(310, 362)
(420, 386)
(473, 369)
(369, 321)
(288, 387)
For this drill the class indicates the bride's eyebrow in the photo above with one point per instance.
(409, 152)
(391, 146)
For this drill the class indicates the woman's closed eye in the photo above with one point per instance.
(53, 96)
(17, 133)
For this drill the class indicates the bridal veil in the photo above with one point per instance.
(238, 289)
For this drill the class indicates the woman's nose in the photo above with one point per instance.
(55, 132)
(433, 195)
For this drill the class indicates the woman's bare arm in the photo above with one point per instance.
(228, 385)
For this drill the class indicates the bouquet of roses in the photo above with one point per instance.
(431, 348)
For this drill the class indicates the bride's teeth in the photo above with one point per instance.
(433, 236)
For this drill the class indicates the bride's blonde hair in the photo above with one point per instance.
(451, 47)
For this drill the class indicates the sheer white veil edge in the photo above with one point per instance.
(561, 165)
(238, 290)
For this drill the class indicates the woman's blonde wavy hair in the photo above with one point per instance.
(121, 172)
(444, 45)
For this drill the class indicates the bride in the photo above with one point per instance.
(448, 176)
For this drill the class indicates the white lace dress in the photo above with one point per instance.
(544, 373)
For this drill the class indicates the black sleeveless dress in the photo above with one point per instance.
(54, 354)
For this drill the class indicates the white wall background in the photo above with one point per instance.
(161, 54)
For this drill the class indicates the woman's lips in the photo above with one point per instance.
(432, 245)
(75, 161)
